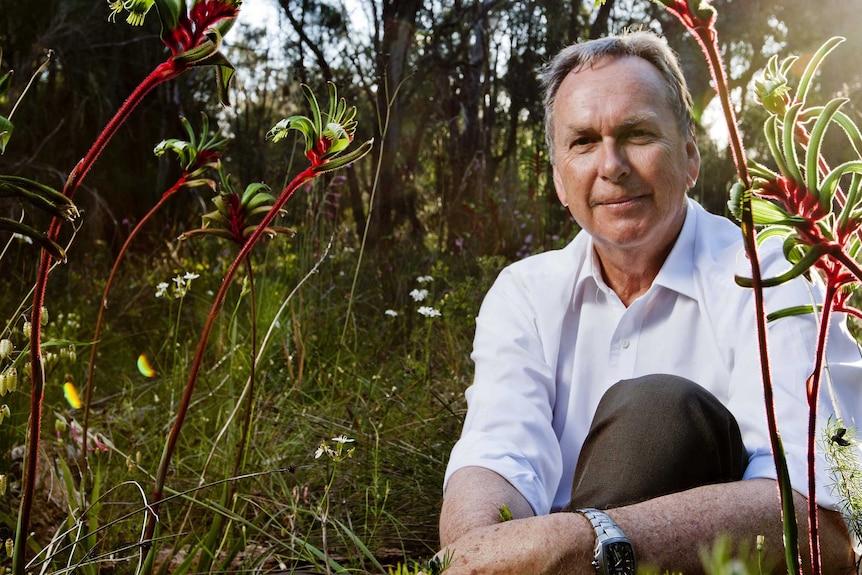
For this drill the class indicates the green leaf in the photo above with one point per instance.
(789, 143)
(812, 154)
(39, 195)
(341, 161)
(853, 198)
(773, 232)
(6, 82)
(771, 132)
(793, 311)
(38, 237)
(797, 270)
(169, 13)
(224, 76)
(813, 65)
(5, 133)
(317, 121)
(830, 182)
(766, 213)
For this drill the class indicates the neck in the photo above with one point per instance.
(631, 272)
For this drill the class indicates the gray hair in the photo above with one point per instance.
(640, 44)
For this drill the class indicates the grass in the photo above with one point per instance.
(392, 381)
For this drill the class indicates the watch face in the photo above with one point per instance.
(620, 558)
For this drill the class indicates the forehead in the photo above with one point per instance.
(621, 86)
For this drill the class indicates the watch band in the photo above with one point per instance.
(614, 553)
(604, 526)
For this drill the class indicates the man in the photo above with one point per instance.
(622, 372)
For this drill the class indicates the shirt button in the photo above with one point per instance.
(624, 343)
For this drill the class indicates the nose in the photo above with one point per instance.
(614, 161)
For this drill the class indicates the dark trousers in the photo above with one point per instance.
(652, 436)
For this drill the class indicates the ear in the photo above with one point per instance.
(558, 186)
(692, 161)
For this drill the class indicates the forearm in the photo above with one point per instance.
(474, 496)
(667, 532)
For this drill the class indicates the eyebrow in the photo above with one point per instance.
(624, 126)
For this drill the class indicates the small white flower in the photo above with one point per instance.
(419, 294)
(428, 311)
(189, 276)
(342, 439)
(161, 289)
(391, 313)
(320, 451)
(424, 279)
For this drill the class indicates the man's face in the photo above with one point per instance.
(621, 161)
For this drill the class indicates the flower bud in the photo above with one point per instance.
(4, 412)
(60, 425)
(3, 385)
(72, 354)
(6, 348)
(2, 485)
(10, 547)
(11, 379)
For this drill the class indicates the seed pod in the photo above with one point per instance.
(6, 348)
(10, 547)
(27, 329)
(2, 485)
(44, 316)
(3, 386)
(4, 412)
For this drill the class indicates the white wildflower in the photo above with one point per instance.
(419, 294)
(429, 311)
(189, 276)
(391, 313)
(342, 439)
(425, 279)
(161, 289)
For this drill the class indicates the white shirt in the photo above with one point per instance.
(551, 338)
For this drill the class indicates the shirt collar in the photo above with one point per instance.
(677, 273)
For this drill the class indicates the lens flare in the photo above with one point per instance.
(71, 394)
(144, 366)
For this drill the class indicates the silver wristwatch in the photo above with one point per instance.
(614, 553)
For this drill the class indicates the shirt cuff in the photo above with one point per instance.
(762, 465)
(475, 449)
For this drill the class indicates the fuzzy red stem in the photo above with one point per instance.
(161, 475)
(813, 395)
(160, 74)
(103, 303)
(707, 38)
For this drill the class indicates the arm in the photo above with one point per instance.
(667, 532)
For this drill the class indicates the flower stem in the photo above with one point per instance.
(707, 38)
(103, 304)
(161, 475)
(162, 73)
(813, 395)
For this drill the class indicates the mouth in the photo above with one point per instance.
(618, 203)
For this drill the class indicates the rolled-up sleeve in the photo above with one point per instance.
(792, 344)
(509, 428)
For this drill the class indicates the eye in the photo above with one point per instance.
(581, 142)
(640, 135)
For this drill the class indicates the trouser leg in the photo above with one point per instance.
(655, 435)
